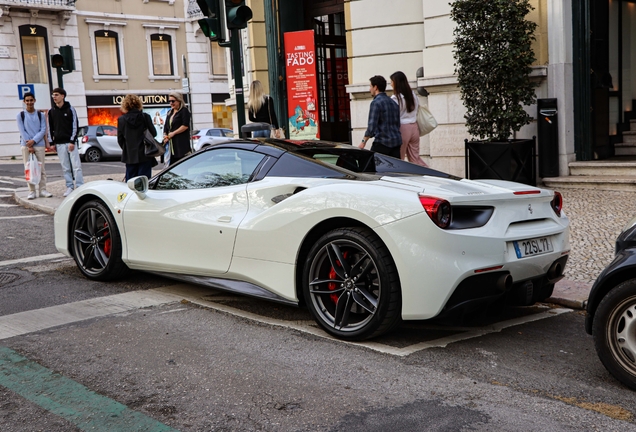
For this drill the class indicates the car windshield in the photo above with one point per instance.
(221, 167)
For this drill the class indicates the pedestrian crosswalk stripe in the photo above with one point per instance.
(69, 399)
(31, 259)
(23, 217)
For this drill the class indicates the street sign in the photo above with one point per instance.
(185, 84)
(25, 88)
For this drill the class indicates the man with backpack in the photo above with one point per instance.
(62, 134)
(32, 127)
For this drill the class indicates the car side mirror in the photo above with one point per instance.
(139, 185)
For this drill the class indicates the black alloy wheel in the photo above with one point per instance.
(96, 244)
(351, 284)
(93, 154)
(614, 332)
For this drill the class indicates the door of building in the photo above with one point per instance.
(604, 71)
(326, 18)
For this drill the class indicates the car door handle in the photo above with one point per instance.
(225, 219)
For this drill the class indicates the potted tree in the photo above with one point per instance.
(493, 59)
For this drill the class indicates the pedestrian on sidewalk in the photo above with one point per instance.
(260, 108)
(130, 137)
(63, 125)
(176, 129)
(408, 103)
(32, 127)
(384, 121)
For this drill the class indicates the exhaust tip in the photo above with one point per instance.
(504, 283)
(555, 271)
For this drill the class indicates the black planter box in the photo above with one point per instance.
(513, 160)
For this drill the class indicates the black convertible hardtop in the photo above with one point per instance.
(340, 156)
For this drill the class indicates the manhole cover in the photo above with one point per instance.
(7, 278)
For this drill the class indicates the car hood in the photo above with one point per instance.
(467, 190)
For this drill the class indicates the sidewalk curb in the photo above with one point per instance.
(32, 204)
(569, 303)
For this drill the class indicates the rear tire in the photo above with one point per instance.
(93, 154)
(614, 332)
(351, 285)
(96, 243)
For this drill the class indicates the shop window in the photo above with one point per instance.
(34, 54)
(107, 50)
(161, 48)
(217, 58)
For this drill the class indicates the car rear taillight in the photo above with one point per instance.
(196, 137)
(85, 138)
(557, 203)
(439, 210)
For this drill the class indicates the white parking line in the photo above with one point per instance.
(306, 327)
(7, 189)
(41, 319)
(8, 205)
(22, 217)
(31, 259)
(6, 196)
(5, 181)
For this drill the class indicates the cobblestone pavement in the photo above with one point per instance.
(596, 219)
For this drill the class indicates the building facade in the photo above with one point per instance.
(143, 47)
(590, 78)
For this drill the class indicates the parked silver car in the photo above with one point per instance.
(98, 142)
(207, 137)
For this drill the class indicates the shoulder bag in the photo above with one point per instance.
(425, 120)
(152, 147)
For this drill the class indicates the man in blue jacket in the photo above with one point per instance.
(62, 134)
(384, 121)
(32, 127)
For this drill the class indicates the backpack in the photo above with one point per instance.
(39, 116)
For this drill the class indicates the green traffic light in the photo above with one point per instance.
(209, 28)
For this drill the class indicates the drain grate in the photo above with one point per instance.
(7, 278)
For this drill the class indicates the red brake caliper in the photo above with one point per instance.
(332, 275)
(107, 243)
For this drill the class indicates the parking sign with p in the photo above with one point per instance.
(24, 89)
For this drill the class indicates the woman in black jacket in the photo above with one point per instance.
(176, 129)
(130, 137)
(260, 108)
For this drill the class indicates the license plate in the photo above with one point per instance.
(532, 247)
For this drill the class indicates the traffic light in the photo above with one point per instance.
(237, 14)
(212, 27)
(65, 60)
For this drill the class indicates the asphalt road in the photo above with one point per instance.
(146, 354)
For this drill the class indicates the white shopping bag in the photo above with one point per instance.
(33, 170)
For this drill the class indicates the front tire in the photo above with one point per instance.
(351, 285)
(614, 332)
(96, 243)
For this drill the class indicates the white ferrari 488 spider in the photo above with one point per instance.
(361, 239)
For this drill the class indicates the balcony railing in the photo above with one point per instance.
(48, 4)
